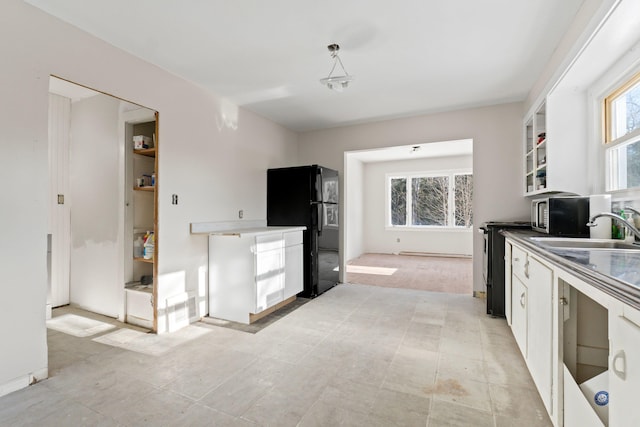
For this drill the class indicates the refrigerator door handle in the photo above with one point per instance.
(320, 217)
(320, 191)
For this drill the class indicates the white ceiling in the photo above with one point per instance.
(462, 147)
(409, 57)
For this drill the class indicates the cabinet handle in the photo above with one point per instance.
(522, 300)
(563, 301)
(516, 259)
(526, 269)
(621, 373)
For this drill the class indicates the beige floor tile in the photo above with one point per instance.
(465, 392)
(523, 405)
(461, 368)
(357, 355)
(447, 414)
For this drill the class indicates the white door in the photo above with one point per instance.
(58, 216)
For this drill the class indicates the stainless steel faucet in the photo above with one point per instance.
(629, 208)
(627, 224)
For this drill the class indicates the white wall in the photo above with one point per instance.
(213, 155)
(352, 209)
(94, 199)
(379, 239)
(497, 158)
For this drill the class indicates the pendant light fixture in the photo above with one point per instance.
(340, 82)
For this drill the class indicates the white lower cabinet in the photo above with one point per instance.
(531, 285)
(624, 368)
(252, 272)
(519, 314)
(540, 333)
(139, 308)
(581, 345)
(293, 264)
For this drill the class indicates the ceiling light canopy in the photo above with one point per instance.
(340, 82)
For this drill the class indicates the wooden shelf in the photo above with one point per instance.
(147, 188)
(149, 152)
(150, 261)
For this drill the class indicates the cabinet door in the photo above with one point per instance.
(269, 279)
(518, 263)
(519, 313)
(293, 270)
(539, 331)
(507, 281)
(624, 378)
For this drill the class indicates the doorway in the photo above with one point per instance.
(86, 256)
(371, 224)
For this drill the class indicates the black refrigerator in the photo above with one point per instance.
(308, 195)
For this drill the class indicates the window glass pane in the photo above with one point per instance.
(626, 112)
(624, 161)
(463, 200)
(398, 201)
(430, 196)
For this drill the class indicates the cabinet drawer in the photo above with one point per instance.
(269, 242)
(518, 263)
(293, 238)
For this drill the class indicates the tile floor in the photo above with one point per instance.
(357, 356)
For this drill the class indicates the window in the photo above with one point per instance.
(431, 200)
(622, 135)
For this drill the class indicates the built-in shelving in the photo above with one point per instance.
(535, 142)
(141, 217)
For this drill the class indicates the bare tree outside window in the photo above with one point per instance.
(463, 197)
(430, 200)
(398, 201)
(437, 201)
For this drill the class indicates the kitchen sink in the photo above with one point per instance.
(584, 244)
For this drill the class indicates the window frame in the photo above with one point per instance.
(450, 218)
(608, 113)
(610, 145)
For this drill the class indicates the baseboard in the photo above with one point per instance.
(24, 381)
(253, 317)
(430, 254)
(480, 294)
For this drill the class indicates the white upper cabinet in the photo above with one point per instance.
(555, 146)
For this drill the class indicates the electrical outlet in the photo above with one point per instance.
(240, 213)
(174, 199)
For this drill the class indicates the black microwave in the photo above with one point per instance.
(561, 215)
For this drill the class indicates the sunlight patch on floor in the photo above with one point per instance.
(78, 326)
(365, 269)
(151, 344)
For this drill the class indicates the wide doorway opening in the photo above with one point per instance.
(409, 217)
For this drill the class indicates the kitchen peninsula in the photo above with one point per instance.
(253, 269)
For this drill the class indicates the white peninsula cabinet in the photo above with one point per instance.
(581, 345)
(253, 272)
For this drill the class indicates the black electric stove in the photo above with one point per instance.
(493, 262)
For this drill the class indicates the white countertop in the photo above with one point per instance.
(257, 230)
(241, 228)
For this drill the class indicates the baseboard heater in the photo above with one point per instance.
(430, 254)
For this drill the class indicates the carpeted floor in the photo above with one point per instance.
(429, 273)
